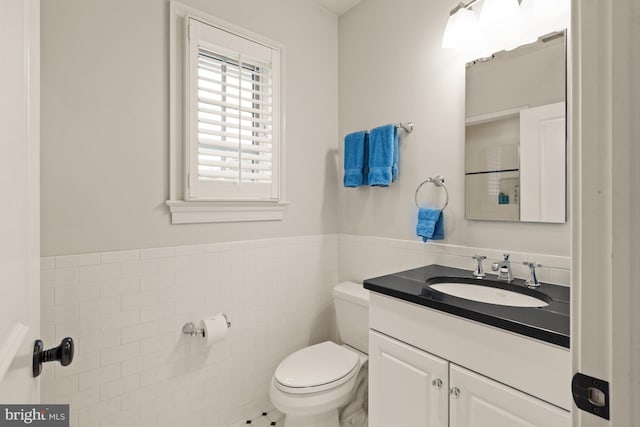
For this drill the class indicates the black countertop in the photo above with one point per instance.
(549, 323)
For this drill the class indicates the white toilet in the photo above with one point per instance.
(325, 385)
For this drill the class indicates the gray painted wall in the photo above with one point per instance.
(392, 68)
(105, 122)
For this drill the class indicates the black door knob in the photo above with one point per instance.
(62, 353)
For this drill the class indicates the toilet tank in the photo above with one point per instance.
(351, 302)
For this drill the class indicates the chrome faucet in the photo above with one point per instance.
(503, 268)
(532, 281)
(479, 271)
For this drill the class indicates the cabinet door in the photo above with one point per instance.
(407, 387)
(477, 401)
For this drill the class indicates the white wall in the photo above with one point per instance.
(105, 181)
(120, 279)
(392, 68)
(105, 122)
(125, 310)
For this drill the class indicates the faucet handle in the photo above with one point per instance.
(506, 257)
(478, 271)
(532, 282)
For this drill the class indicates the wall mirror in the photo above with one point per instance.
(515, 134)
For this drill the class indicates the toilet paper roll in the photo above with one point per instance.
(214, 328)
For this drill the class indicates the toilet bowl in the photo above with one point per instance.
(312, 385)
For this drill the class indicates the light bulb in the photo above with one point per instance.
(499, 13)
(500, 23)
(461, 27)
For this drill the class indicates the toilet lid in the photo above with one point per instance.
(316, 365)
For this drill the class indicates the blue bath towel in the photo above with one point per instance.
(382, 153)
(355, 147)
(430, 224)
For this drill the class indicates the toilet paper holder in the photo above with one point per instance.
(191, 330)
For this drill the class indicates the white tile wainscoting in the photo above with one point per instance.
(125, 310)
(364, 257)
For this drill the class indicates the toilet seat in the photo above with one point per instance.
(316, 368)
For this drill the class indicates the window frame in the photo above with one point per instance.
(185, 208)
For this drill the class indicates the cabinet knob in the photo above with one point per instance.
(455, 392)
(437, 383)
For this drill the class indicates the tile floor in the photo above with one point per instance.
(271, 417)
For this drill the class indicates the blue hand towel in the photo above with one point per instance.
(430, 224)
(381, 155)
(354, 159)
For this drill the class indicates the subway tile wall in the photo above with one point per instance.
(125, 310)
(364, 257)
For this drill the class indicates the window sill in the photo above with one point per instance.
(195, 212)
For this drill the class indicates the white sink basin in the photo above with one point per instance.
(488, 294)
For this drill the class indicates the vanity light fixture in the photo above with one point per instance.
(461, 27)
(500, 25)
(503, 24)
(499, 13)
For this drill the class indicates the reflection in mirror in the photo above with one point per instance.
(515, 140)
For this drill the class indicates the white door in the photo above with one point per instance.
(408, 387)
(543, 175)
(605, 209)
(477, 401)
(20, 189)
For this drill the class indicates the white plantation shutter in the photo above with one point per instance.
(233, 125)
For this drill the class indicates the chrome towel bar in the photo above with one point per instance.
(408, 126)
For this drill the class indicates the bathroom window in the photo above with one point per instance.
(228, 128)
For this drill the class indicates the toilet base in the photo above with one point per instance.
(327, 419)
(359, 419)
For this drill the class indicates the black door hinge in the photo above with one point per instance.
(591, 395)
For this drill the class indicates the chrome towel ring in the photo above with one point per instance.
(438, 181)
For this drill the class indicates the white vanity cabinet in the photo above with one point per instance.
(431, 369)
(407, 386)
(480, 401)
(410, 387)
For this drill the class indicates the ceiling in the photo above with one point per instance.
(338, 6)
